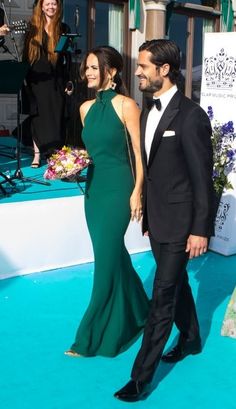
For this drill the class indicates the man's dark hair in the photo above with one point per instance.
(164, 52)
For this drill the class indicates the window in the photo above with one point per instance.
(187, 25)
(69, 18)
(100, 23)
(109, 25)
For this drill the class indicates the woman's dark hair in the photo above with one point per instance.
(164, 52)
(108, 58)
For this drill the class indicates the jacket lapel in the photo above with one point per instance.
(170, 112)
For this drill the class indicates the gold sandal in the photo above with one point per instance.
(72, 353)
(36, 164)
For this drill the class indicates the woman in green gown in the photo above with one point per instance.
(119, 305)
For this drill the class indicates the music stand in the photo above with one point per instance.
(11, 80)
(66, 43)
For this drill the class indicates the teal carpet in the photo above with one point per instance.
(39, 315)
(32, 189)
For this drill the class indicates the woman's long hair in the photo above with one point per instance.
(108, 58)
(35, 37)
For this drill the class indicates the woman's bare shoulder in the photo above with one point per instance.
(128, 103)
(85, 107)
(87, 104)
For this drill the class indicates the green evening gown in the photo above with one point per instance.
(118, 307)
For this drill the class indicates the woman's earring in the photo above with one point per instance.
(113, 84)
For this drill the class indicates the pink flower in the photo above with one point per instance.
(67, 162)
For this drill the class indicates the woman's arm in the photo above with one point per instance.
(4, 30)
(131, 116)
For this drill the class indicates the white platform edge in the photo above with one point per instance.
(42, 235)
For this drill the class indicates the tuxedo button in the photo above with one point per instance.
(149, 179)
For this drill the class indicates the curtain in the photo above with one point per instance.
(207, 27)
(227, 15)
(134, 14)
(115, 27)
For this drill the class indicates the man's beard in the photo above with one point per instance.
(152, 86)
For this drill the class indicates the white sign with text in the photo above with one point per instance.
(218, 90)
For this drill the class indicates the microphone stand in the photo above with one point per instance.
(67, 44)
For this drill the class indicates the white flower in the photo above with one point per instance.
(229, 328)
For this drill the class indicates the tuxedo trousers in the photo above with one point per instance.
(172, 302)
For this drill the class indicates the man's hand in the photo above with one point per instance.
(196, 245)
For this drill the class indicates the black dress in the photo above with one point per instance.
(46, 94)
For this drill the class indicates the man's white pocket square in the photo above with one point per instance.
(168, 133)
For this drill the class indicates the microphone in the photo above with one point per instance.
(69, 88)
(76, 15)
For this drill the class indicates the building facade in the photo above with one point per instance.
(125, 25)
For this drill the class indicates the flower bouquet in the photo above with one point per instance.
(224, 153)
(229, 324)
(67, 164)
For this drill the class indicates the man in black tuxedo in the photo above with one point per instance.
(177, 208)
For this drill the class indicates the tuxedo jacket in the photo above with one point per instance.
(178, 193)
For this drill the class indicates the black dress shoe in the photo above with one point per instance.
(133, 391)
(182, 349)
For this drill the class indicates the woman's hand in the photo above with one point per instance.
(136, 206)
(4, 30)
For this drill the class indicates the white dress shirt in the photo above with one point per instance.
(154, 117)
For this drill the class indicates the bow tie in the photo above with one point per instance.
(152, 102)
